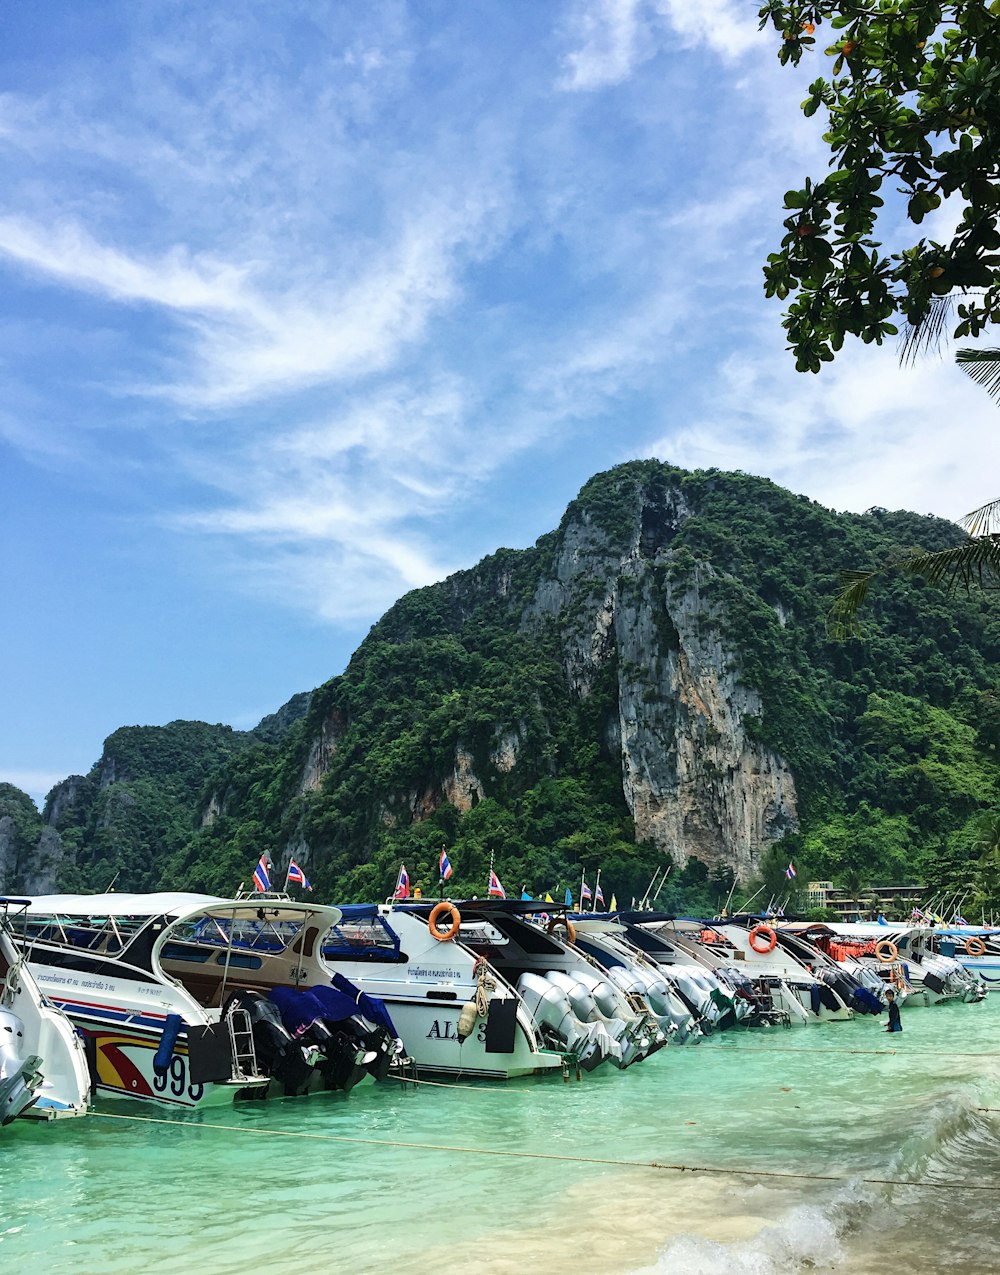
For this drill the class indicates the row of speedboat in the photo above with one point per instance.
(185, 999)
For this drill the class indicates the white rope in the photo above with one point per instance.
(565, 1159)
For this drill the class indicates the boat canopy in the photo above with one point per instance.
(165, 903)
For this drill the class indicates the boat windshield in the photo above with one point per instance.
(265, 934)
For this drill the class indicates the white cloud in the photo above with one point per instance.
(864, 432)
(614, 37)
(36, 783)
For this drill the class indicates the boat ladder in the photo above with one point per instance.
(241, 1040)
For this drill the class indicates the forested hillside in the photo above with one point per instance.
(653, 679)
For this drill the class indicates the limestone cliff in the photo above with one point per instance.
(695, 781)
(651, 679)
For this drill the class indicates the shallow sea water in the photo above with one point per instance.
(269, 1186)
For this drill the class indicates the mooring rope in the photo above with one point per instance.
(808, 1049)
(457, 1149)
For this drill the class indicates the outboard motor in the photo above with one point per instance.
(339, 1058)
(19, 1074)
(278, 1054)
(552, 1011)
(641, 1027)
(581, 997)
(673, 1016)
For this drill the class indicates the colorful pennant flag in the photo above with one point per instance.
(444, 865)
(495, 888)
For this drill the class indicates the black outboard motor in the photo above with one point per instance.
(342, 1057)
(369, 1019)
(279, 1055)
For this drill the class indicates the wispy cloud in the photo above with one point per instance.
(612, 38)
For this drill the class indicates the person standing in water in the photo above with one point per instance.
(894, 1024)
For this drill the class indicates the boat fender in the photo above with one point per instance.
(467, 1020)
(444, 909)
(763, 939)
(562, 923)
(974, 946)
(163, 1055)
(886, 951)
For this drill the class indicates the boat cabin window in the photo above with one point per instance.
(95, 933)
(364, 936)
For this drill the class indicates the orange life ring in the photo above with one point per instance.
(437, 912)
(886, 951)
(768, 936)
(562, 923)
(974, 946)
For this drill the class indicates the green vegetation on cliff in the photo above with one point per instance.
(485, 714)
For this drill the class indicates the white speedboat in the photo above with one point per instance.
(456, 1014)
(188, 999)
(605, 942)
(577, 1010)
(718, 997)
(756, 950)
(903, 956)
(976, 947)
(43, 1066)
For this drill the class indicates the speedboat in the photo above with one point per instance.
(903, 956)
(717, 996)
(456, 1014)
(187, 999)
(43, 1066)
(855, 982)
(632, 971)
(976, 947)
(755, 948)
(576, 1009)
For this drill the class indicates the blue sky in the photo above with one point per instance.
(304, 305)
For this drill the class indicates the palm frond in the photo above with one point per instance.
(928, 335)
(975, 562)
(842, 619)
(984, 368)
(982, 521)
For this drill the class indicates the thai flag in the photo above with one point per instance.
(444, 865)
(599, 896)
(402, 884)
(261, 880)
(790, 871)
(296, 874)
(959, 920)
(495, 887)
(586, 894)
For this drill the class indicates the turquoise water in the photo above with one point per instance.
(112, 1195)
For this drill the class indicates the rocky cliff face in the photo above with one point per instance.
(634, 614)
(662, 655)
(694, 779)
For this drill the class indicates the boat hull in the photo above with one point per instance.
(122, 1042)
